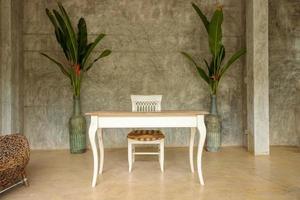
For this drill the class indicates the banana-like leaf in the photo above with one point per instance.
(60, 21)
(91, 47)
(61, 67)
(58, 32)
(82, 32)
(70, 30)
(233, 58)
(201, 72)
(223, 52)
(215, 32)
(219, 60)
(52, 19)
(61, 38)
(81, 39)
(102, 55)
(209, 69)
(67, 40)
(202, 16)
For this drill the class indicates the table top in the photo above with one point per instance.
(146, 114)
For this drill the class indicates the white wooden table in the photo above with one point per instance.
(163, 119)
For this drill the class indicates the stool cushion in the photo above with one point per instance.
(146, 135)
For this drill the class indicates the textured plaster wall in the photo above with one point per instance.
(284, 70)
(146, 38)
(17, 79)
(11, 66)
(257, 76)
(1, 44)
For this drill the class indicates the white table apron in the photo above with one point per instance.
(171, 120)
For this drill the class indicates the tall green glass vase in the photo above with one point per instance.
(77, 128)
(213, 127)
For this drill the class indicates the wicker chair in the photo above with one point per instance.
(14, 156)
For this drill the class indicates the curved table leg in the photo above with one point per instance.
(130, 155)
(162, 154)
(192, 138)
(202, 134)
(92, 135)
(100, 141)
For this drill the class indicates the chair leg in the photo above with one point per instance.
(133, 156)
(129, 156)
(161, 155)
(25, 180)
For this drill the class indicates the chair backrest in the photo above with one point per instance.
(146, 103)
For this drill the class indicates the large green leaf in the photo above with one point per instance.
(67, 40)
(202, 16)
(82, 33)
(102, 55)
(61, 67)
(60, 36)
(91, 47)
(218, 61)
(223, 52)
(60, 21)
(209, 68)
(52, 19)
(215, 32)
(81, 39)
(233, 58)
(201, 72)
(70, 31)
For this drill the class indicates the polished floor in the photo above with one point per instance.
(230, 174)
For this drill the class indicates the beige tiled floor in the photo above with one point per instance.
(230, 174)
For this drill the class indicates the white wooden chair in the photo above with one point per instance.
(145, 103)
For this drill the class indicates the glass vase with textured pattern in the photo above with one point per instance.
(213, 127)
(77, 128)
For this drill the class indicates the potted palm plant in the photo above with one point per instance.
(77, 52)
(213, 71)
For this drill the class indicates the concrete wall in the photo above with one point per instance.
(11, 66)
(146, 38)
(1, 44)
(284, 70)
(257, 62)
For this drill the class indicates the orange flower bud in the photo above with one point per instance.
(77, 69)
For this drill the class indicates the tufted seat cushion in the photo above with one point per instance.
(146, 135)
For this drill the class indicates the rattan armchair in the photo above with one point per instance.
(14, 156)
